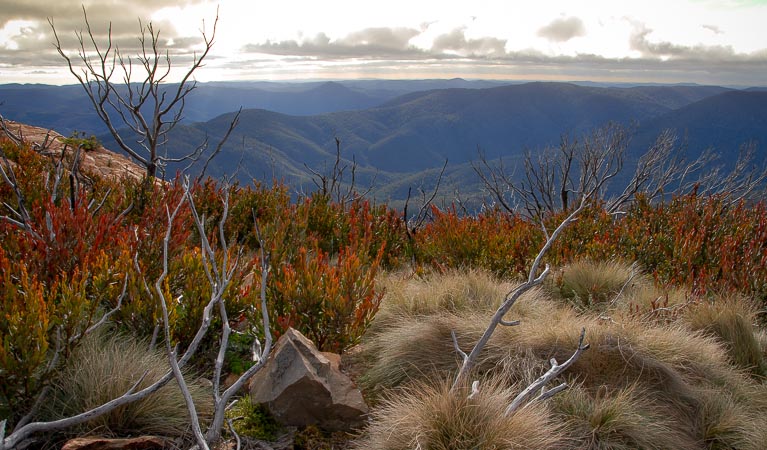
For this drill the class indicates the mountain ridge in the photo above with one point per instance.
(415, 133)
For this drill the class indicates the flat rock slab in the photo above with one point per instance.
(98, 443)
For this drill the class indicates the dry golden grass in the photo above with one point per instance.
(590, 283)
(410, 336)
(430, 416)
(624, 419)
(644, 383)
(730, 320)
(104, 367)
(450, 292)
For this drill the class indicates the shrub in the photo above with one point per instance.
(493, 240)
(253, 420)
(322, 279)
(82, 140)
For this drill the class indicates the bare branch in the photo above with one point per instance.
(541, 382)
(596, 176)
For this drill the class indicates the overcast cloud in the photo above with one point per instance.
(550, 42)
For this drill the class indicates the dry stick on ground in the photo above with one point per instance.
(539, 385)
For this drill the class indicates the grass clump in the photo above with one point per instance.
(620, 420)
(104, 367)
(450, 292)
(589, 283)
(647, 381)
(430, 416)
(730, 320)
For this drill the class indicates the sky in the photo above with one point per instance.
(720, 42)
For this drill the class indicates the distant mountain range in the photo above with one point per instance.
(400, 133)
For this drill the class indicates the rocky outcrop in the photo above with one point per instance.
(99, 161)
(303, 386)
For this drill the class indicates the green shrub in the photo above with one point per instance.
(83, 141)
(253, 420)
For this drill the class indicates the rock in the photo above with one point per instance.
(98, 161)
(302, 386)
(98, 443)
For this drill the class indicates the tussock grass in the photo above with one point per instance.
(104, 367)
(730, 320)
(621, 420)
(589, 283)
(722, 423)
(450, 292)
(421, 347)
(429, 416)
(642, 384)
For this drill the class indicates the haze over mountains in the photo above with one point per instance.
(401, 132)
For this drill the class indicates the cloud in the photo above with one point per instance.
(563, 29)
(456, 41)
(32, 43)
(639, 41)
(373, 50)
(383, 43)
(391, 38)
(713, 28)
(369, 43)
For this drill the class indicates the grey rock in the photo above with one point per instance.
(303, 386)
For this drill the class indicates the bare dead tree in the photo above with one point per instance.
(557, 178)
(664, 171)
(553, 179)
(332, 184)
(16, 138)
(414, 222)
(129, 90)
